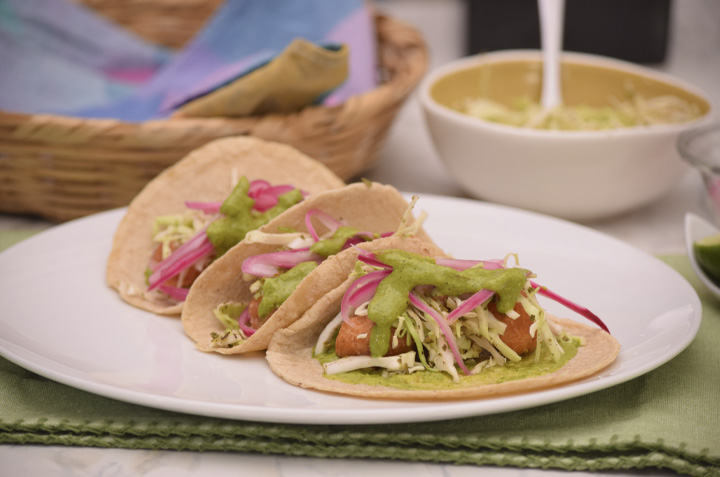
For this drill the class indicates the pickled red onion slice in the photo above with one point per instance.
(181, 261)
(366, 236)
(444, 327)
(196, 241)
(370, 259)
(361, 290)
(176, 293)
(470, 304)
(264, 202)
(257, 186)
(581, 310)
(265, 195)
(268, 198)
(269, 264)
(243, 321)
(279, 190)
(353, 241)
(326, 219)
(206, 207)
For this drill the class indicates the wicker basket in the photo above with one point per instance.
(61, 168)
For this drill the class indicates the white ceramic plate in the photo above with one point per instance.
(61, 321)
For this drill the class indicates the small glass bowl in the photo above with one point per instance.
(701, 148)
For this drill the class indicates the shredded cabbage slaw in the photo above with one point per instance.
(633, 111)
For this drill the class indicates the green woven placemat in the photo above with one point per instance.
(668, 418)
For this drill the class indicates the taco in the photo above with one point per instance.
(281, 269)
(200, 207)
(407, 326)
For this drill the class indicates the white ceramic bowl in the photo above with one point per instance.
(577, 175)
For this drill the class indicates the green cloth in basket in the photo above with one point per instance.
(666, 419)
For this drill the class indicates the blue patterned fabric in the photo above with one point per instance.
(145, 82)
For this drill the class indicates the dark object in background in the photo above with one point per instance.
(631, 30)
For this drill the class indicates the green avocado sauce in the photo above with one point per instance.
(334, 244)
(411, 270)
(228, 314)
(427, 380)
(240, 218)
(277, 289)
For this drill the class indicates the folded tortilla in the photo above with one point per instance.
(370, 207)
(290, 355)
(207, 174)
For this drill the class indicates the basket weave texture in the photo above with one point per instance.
(62, 168)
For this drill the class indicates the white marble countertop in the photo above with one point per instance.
(409, 162)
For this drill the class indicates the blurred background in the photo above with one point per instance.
(680, 38)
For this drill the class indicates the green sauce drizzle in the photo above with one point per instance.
(420, 380)
(277, 289)
(228, 314)
(411, 270)
(240, 218)
(334, 244)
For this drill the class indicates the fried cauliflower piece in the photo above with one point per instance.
(354, 339)
(517, 332)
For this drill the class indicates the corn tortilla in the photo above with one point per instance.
(290, 355)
